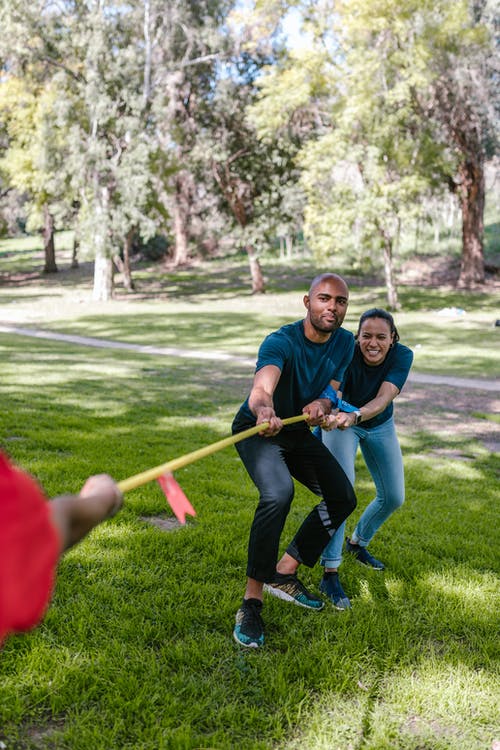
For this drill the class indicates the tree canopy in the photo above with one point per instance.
(198, 121)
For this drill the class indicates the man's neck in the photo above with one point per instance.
(312, 333)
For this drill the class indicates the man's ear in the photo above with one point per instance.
(306, 301)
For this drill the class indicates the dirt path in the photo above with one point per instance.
(452, 413)
(214, 355)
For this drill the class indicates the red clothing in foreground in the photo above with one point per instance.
(29, 551)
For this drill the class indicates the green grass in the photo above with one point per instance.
(136, 650)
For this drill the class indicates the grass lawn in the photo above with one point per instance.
(136, 650)
(211, 307)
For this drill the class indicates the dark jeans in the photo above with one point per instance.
(271, 463)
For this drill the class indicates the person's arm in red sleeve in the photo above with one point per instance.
(33, 534)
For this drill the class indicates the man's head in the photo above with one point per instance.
(326, 305)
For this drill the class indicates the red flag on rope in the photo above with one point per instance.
(176, 497)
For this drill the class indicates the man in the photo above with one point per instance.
(33, 535)
(294, 365)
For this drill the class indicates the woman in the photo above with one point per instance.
(377, 373)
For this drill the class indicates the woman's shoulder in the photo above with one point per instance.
(403, 353)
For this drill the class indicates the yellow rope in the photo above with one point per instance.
(177, 463)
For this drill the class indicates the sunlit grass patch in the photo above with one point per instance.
(439, 703)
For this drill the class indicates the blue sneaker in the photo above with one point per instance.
(331, 586)
(249, 628)
(289, 588)
(363, 556)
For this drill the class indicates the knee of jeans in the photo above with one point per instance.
(394, 501)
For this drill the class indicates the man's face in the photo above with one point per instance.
(327, 305)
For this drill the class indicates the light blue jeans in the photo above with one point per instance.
(382, 454)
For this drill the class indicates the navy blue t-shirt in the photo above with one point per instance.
(306, 369)
(362, 382)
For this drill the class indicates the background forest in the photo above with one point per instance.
(357, 129)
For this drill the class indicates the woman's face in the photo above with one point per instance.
(375, 340)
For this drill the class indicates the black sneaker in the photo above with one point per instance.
(331, 586)
(289, 588)
(249, 628)
(363, 556)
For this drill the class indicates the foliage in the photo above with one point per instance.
(139, 119)
(32, 159)
(378, 139)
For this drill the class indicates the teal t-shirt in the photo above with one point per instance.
(306, 368)
(362, 382)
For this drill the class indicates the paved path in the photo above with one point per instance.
(217, 356)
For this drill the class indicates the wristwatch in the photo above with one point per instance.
(358, 416)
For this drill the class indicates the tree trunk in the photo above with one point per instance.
(129, 239)
(181, 237)
(103, 279)
(181, 219)
(103, 264)
(258, 284)
(124, 265)
(471, 194)
(76, 247)
(48, 242)
(390, 284)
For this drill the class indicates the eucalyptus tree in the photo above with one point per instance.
(346, 174)
(91, 53)
(184, 44)
(456, 49)
(435, 62)
(33, 154)
(393, 101)
(374, 159)
(256, 177)
(221, 182)
(112, 150)
(29, 159)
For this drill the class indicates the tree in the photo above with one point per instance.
(112, 150)
(355, 157)
(33, 157)
(256, 176)
(185, 43)
(388, 115)
(92, 54)
(461, 99)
